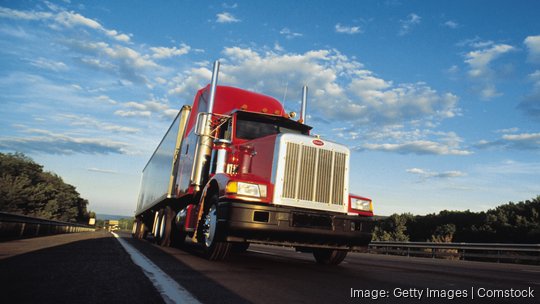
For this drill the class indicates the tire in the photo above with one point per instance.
(165, 227)
(211, 233)
(136, 228)
(329, 256)
(155, 226)
(139, 229)
(142, 232)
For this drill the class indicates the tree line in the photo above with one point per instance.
(508, 223)
(28, 190)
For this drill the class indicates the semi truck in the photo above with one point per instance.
(235, 168)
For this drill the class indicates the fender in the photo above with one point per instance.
(220, 181)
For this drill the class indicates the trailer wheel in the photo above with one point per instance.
(165, 227)
(329, 256)
(139, 229)
(142, 231)
(156, 225)
(134, 231)
(211, 234)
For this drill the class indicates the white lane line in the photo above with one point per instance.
(169, 289)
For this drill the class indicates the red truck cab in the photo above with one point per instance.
(244, 171)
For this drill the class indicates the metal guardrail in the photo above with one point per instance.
(13, 226)
(508, 253)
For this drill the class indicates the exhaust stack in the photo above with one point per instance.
(304, 103)
(213, 85)
(203, 150)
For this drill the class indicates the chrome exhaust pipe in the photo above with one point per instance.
(213, 85)
(203, 149)
(304, 103)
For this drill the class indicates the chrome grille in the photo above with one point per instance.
(314, 174)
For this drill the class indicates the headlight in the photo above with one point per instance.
(361, 204)
(247, 189)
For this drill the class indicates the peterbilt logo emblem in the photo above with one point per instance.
(317, 142)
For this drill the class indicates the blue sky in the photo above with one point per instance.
(438, 100)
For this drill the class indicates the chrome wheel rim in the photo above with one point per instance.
(210, 223)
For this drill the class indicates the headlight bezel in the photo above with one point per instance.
(361, 204)
(247, 189)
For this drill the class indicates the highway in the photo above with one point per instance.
(94, 267)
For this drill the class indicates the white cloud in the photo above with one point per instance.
(479, 60)
(423, 147)
(508, 130)
(402, 140)
(386, 102)
(454, 69)
(118, 60)
(48, 142)
(339, 87)
(71, 19)
(106, 171)
(104, 98)
(408, 24)
(24, 15)
(165, 52)
(187, 83)
(481, 44)
(533, 45)
(342, 29)
(523, 141)
(230, 6)
(226, 18)
(451, 24)
(62, 19)
(146, 109)
(426, 174)
(289, 34)
(480, 70)
(93, 123)
(47, 64)
(475, 42)
(124, 113)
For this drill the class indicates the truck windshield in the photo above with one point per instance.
(256, 126)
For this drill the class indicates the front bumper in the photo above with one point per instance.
(293, 226)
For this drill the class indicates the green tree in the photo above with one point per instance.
(444, 233)
(26, 189)
(393, 228)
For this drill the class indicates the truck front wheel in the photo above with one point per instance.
(211, 234)
(329, 256)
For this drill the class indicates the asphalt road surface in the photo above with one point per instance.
(95, 268)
